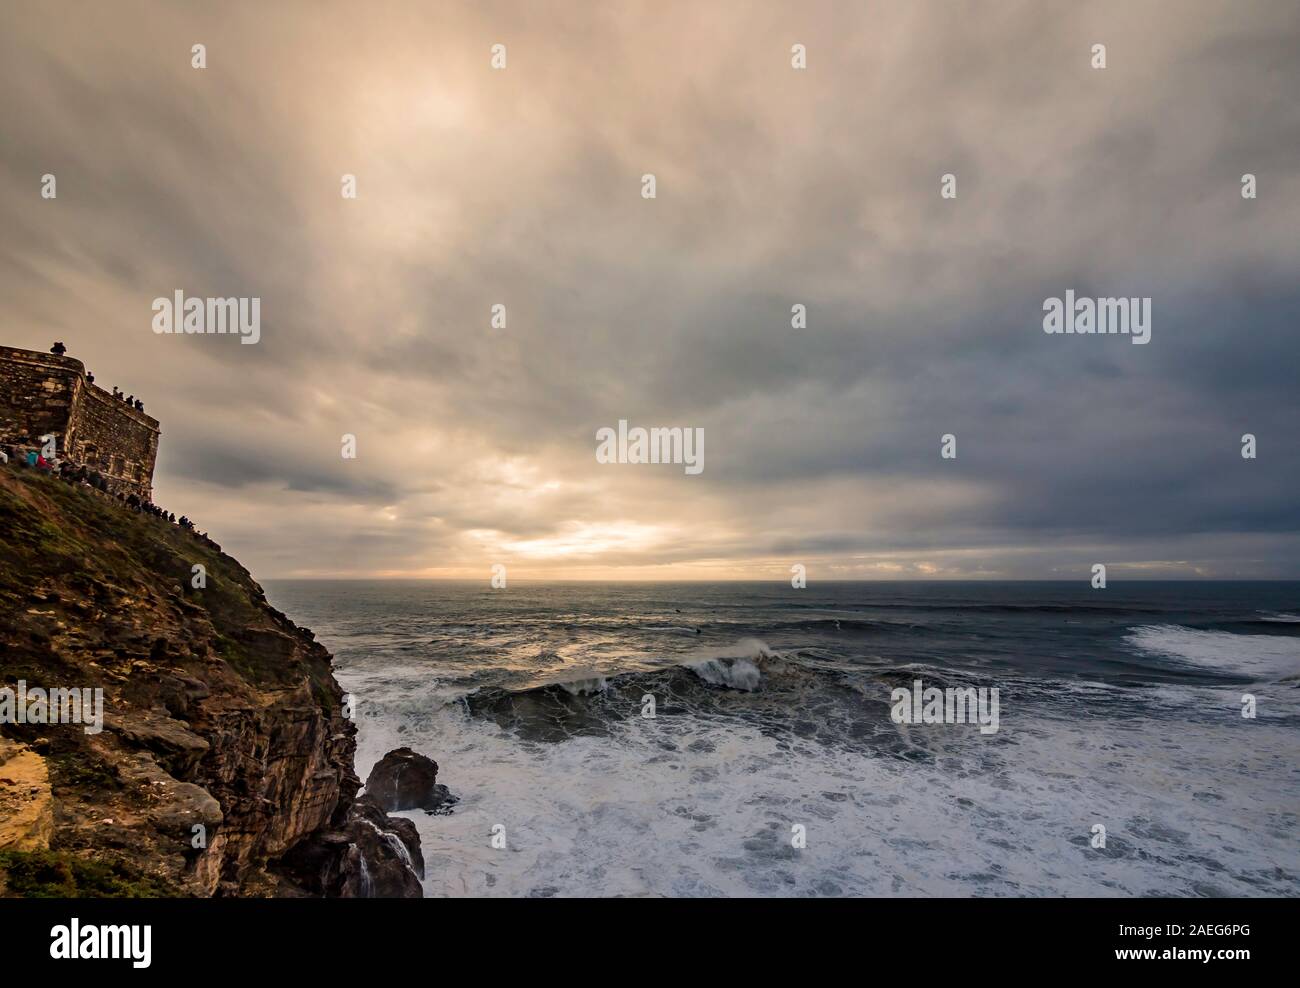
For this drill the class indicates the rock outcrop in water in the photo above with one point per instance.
(372, 855)
(406, 780)
(224, 765)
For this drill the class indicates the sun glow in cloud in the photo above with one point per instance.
(521, 187)
(589, 540)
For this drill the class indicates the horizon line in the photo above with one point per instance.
(513, 579)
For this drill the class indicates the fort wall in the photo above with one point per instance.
(47, 394)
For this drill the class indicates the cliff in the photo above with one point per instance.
(225, 762)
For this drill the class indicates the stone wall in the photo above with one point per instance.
(45, 394)
(118, 440)
(37, 392)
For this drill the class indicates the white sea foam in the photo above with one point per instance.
(1261, 656)
(681, 805)
(735, 666)
(738, 674)
(700, 800)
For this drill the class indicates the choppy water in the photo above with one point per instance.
(1120, 707)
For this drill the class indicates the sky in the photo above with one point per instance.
(523, 186)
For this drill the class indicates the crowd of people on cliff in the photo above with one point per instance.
(131, 400)
(26, 453)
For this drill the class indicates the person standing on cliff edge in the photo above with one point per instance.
(58, 349)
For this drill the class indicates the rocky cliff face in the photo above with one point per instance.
(224, 766)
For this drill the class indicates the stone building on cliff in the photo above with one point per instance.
(44, 394)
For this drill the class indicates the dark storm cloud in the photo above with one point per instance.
(476, 445)
(238, 466)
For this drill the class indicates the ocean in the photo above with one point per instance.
(772, 766)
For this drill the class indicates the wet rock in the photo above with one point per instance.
(372, 856)
(406, 780)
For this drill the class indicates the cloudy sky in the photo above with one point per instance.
(476, 445)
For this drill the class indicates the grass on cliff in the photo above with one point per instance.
(60, 875)
(73, 539)
(55, 529)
